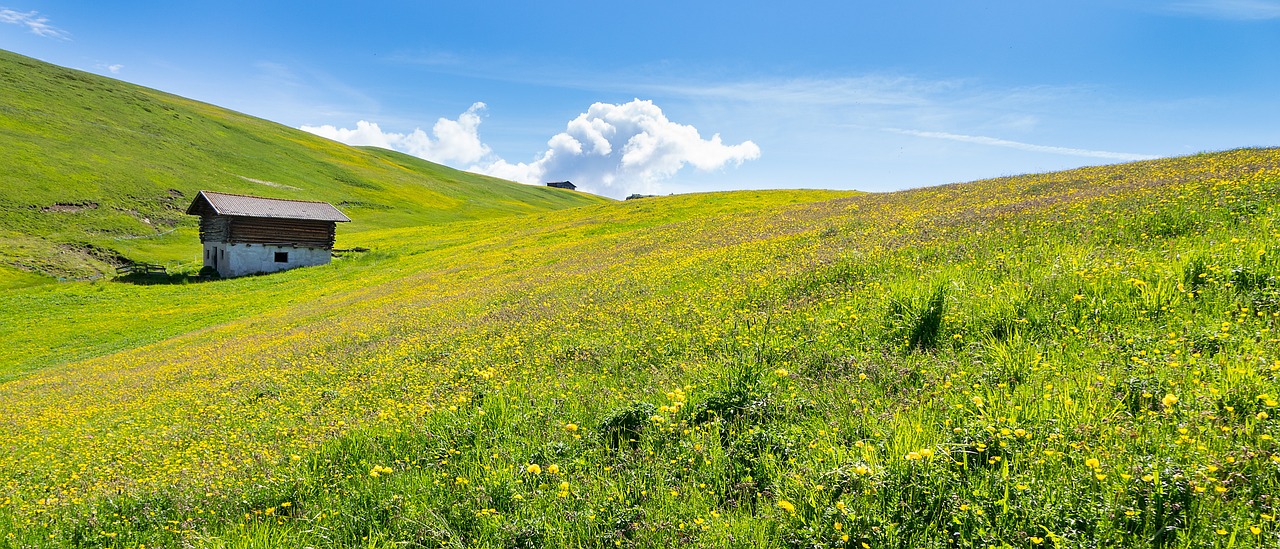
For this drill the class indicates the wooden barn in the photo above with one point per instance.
(562, 185)
(249, 234)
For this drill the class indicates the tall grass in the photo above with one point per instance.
(1018, 362)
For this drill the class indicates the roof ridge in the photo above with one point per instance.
(260, 206)
(267, 197)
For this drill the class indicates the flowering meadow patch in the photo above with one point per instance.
(1083, 358)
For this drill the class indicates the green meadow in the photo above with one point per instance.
(97, 173)
(1085, 358)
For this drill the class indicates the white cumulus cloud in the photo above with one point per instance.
(36, 23)
(614, 150)
(455, 142)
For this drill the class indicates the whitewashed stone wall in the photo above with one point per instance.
(243, 259)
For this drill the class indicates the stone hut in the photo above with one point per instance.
(250, 234)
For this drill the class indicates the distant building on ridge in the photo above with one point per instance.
(249, 234)
(562, 185)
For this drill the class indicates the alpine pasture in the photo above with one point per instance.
(1085, 358)
(95, 172)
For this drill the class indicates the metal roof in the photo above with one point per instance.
(256, 206)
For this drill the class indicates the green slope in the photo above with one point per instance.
(96, 171)
(1088, 358)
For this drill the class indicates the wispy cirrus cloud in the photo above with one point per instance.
(431, 58)
(996, 142)
(870, 99)
(675, 81)
(838, 98)
(308, 90)
(865, 90)
(1240, 10)
(36, 23)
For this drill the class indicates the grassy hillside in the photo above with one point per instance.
(97, 171)
(1079, 359)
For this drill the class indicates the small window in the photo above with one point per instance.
(282, 257)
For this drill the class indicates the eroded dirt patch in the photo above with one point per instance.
(70, 207)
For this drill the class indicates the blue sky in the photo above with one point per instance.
(626, 97)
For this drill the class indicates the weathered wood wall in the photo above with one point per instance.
(262, 230)
(215, 228)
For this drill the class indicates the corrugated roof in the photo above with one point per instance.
(256, 206)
